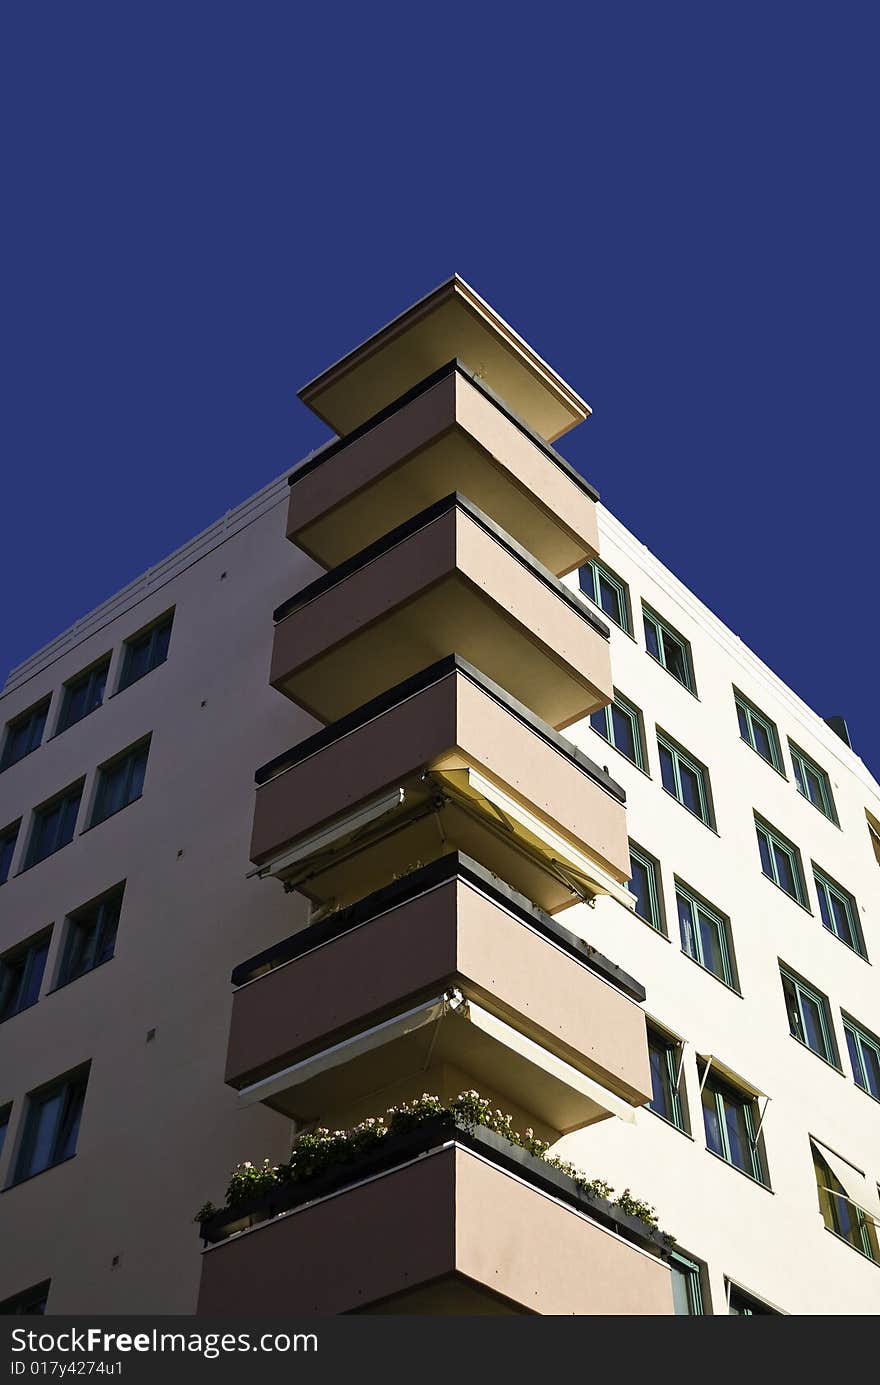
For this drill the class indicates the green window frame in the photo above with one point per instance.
(645, 873)
(743, 1305)
(864, 1055)
(120, 782)
(685, 779)
(607, 591)
(669, 648)
(732, 1126)
(668, 1100)
(145, 651)
(24, 733)
(705, 935)
(758, 731)
(839, 912)
(83, 695)
(812, 782)
(54, 824)
(621, 725)
(687, 1285)
(840, 1214)
(781, 862)
(809, 1016)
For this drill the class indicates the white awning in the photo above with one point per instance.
(722, 1069)
(858, 1189)
(332, 835)
(535, 835)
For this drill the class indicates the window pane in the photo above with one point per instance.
(586, 578)
(690, 789)
(640, 886)
(686, 1296)
(610, 600)
(661, 1100)
(766, 858)
(45, 1116)
(711, 1122)
(841, 917)
(667, 771)
(652, 638)
(742, 717)
(160, 646)
(785, 876)
(812, 1022)
(737, 1134)
(599, 722)
(7, 850)
(762, 741)
(676, 659)
(686, 923)
(871, 1059)
(69, 1128)
(624, 737)
(33, 974)
(710, 943)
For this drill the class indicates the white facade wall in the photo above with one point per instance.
(160, 1130)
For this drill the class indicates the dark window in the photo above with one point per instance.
(840, 1213)
(687, 1285)
(21, 975)
(732, 1124)
(5, 1113)
(54, 824)
(91, 936)
(24, 733)
(839, 911)
(781, 861)
(686, 779)
(51, 1125)
(83, 695)
(705, 935)
(669, 648)
(144, 652)
(645, 885)
(864, 1054)
(8, 838)
(812, 782)
(608, 591)
(743, 1305)
(120, 782)
(29, 1303)
(620, 725)
(667, 1098)
(758, 731)
(809, 1018)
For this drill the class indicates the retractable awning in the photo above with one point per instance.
(858, 1189)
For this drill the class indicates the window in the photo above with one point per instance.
(809, 1018)
(864, 1054)
(51, 1125)
(621, 726)
(874, 834)
(836, 1180)
(668, 1099)
(146, 651)
(705, 935)
(743, 1305)
(687, 1284)
(24, 733)
(608, 591)
(812, 782)
(21, 975)
(120, 782)
(781, 861)
(732, 1125)
(645, 885)
(5, 1113)
(91, 936)
(686, 779)
(758, 731)
(8, 838)
(54, 824)
(838, 911)
(83, 695)
(669, 648)
(28, 1303)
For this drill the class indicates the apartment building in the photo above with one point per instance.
(528, 820)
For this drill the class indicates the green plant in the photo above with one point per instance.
(317, 1150)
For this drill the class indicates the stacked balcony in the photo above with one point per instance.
(437, 824)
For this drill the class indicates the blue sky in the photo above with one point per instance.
(676, 204)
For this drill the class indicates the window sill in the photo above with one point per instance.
(849, 947)
(806, 908)
(823, 814)
(849, 1245)
(736, 1168)
(728, 986)
(62, 985)
(22, 1011)
(33, 864)
(658, 932)
(659, 664)
(29, 1177)
(70, 725)
(868, 1094)
(829, 1063)
(116, 811)
(25, 756)
(690, 812)
(769, 763)
(622, 753)
(615, 624)
(672, 1126)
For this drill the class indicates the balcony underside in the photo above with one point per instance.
(446, 762)
(451, 435)
(450, 1230)
(449, 581)
(332, 1031)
